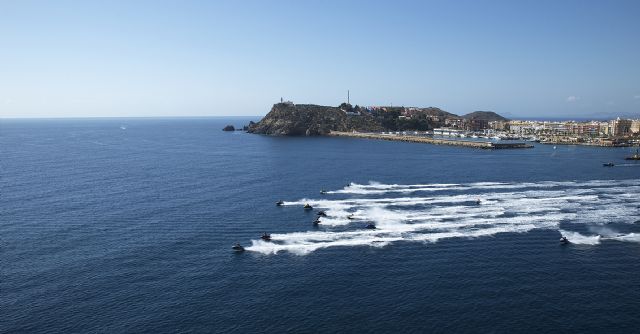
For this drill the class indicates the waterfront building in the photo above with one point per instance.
(453, 122)
(635, 126)
(499, 125)
(620, 127)
(475, 124)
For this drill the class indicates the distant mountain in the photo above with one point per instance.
(484, 116)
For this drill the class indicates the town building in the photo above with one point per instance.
(620, 127)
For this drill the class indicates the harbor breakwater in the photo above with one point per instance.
(428, 140)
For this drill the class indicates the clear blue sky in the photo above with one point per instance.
(194, 58)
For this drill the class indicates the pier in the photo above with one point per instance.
(428, 140)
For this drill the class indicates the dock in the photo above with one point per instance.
(427, 140)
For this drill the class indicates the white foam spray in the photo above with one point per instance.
(450, 210)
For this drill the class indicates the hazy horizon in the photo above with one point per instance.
(258, 117)
(569, 59)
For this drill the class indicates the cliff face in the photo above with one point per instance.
(286, 119)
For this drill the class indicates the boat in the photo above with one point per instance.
(266, 236)
(323, 191)
(237, 247)
(322, 214)
(279, 203)
(370, 226)
(564, 240)
(608, 164)
(350, 216)
(308, 207)
(317, 221)
(478, 202)
(635, 156)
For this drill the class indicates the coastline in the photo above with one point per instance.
(426, 140)
(600, 144)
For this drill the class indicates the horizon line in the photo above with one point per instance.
(105, 117)
(528, 118)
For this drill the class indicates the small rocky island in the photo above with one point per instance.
(229, 128)
(288, 119)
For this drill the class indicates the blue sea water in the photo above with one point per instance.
(125, 225)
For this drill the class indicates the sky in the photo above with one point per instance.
(234, 58)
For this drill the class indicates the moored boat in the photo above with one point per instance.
(635, 156)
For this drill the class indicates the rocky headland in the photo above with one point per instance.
(288, 119)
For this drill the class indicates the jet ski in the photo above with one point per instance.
(238, 248)
(608, 164)
(350, 216)
(266, 236)
(317, 221)
(370, 226)
(308, 207)
(323, 191)
(279, 203)
(478, 202)
(322, 214)
(564, 240)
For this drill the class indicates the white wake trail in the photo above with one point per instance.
(451, 211)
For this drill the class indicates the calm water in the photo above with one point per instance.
(125, 225)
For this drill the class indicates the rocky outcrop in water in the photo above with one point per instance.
(246, 127)
(229, 128)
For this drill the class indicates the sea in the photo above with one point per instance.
(125, 225)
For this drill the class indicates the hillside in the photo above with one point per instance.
(485, 116)
(311, 120)
(288, 119)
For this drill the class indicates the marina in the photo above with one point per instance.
(436, 141)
